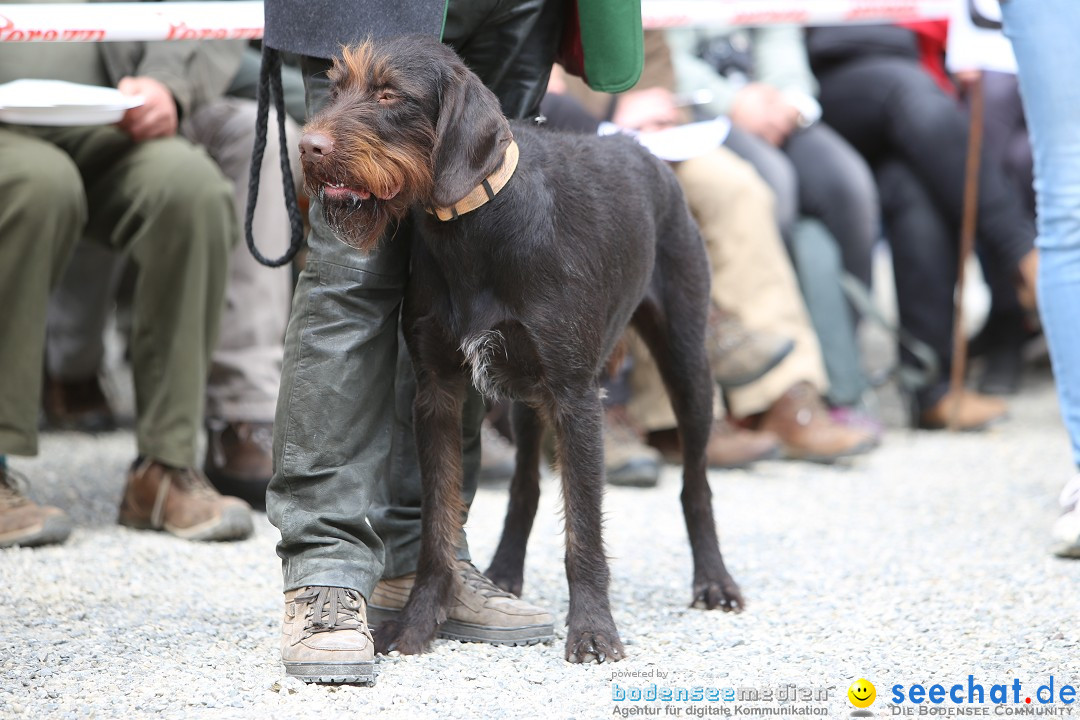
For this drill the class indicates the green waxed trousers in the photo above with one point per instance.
(165, 204)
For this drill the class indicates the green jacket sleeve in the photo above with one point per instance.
(193, 71)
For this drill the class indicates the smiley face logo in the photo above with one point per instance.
(862, 693)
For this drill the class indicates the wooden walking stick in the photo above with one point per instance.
(967, 245)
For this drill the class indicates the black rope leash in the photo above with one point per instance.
(270, 88)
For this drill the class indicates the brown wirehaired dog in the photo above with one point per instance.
(533, 250)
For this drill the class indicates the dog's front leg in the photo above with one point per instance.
(591, 634)
(437, 424)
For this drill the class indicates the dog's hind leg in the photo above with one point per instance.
(508, 566)
(437, 424)
(591, 634)
(671, 321)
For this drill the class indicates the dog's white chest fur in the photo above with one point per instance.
(481, 351)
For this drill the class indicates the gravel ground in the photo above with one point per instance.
(925, 562)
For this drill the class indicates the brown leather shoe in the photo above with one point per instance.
(24, 522)
(78, 405)
(976, 412)
(239, 458)
(807, 432)
(739, 356)
(729, 447)
(482, 611)
(181, 502)
(325, 636)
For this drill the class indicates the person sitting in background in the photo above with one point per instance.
(245, 368)
(140, 188)
(752, 279)
(876, 92)
(826, 200)
(760, 78)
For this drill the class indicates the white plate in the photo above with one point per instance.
(54, 102)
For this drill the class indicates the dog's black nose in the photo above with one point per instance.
(316, 146)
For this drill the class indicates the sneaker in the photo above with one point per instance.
(739, 356)
(1066, 530)
(497, 455)
(24, 522)
(181, 502)
(482, 611)
(240, 459)
(325, 636)
(628, 461)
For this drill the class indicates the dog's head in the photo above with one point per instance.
(407, 123)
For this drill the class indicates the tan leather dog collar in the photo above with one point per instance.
(486, 191)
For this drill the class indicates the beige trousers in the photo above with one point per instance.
(752, 277)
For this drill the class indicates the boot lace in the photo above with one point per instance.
(479, 583)
(332, 608)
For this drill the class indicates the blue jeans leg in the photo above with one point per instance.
(1044, 35)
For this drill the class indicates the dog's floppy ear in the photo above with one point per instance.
(470, 137)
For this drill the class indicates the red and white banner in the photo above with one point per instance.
(99, 22)
(677, 13)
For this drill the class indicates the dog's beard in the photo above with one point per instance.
(359, 224)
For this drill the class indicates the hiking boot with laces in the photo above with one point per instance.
(325, 636)
(22, 521)
(481, 611)
(181, 502)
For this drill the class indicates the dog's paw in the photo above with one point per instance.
(588, 646)
(509, 581)
(723, 594)
(406, 639)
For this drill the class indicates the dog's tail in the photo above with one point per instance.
(270, 87)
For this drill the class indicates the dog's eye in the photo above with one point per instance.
(386, 97)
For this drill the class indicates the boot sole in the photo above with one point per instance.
(234, 524)
(361, 673)
(253, 492)
(466, 632)
(53, 530)
(860, 449)
(773, 453)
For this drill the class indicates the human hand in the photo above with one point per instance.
(156, 117)
(762, 110)
(646, 110)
